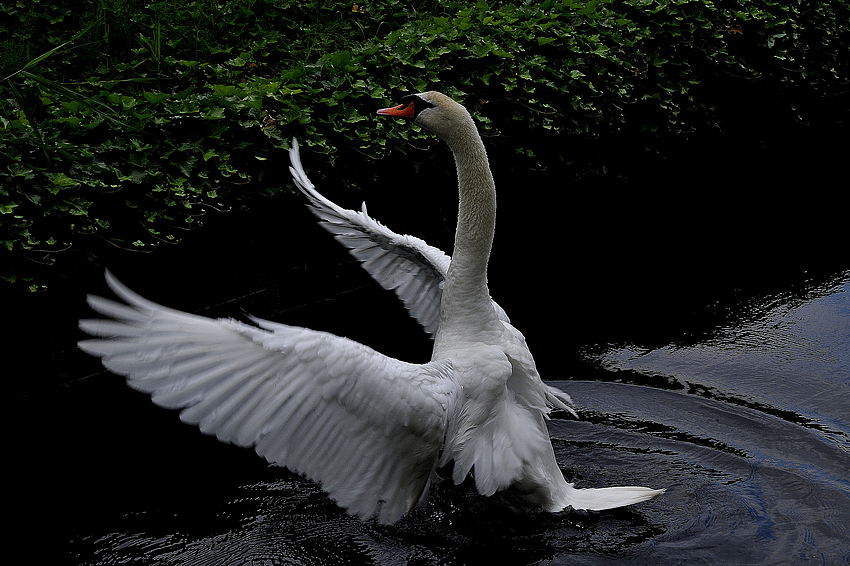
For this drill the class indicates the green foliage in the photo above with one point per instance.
(127, 121)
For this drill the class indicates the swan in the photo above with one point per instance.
(370, 429)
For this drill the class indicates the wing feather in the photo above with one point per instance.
(369, 428)
(404, 264)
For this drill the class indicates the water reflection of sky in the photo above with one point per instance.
(792, 354)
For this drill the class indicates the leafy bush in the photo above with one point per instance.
(127, 121)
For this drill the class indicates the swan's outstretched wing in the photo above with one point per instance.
(400, 263)
(368, 427)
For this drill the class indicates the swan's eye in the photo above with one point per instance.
(419, 104)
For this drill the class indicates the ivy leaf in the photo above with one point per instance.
(59, 181)
(225, 90)
(214, 113)
(155, 97)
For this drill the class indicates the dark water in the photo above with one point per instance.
(707, 360)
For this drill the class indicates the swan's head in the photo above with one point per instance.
(433, 110)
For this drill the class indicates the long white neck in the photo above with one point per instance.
(466, 298)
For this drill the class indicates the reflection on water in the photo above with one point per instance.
(283, 520)
(748, 428)
(789, 357)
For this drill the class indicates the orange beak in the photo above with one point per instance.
(404, 110)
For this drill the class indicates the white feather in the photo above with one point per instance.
(390, 258)
(290, 393)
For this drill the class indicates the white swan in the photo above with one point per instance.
(370, 429)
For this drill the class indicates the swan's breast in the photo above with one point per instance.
(481, 369)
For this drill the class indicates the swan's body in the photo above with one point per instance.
(371, 429)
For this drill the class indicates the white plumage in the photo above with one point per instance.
(369, 428)
(411, 268)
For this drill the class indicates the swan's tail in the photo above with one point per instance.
(607, 497)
